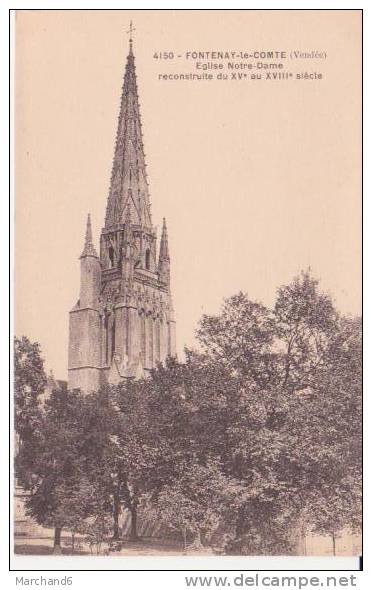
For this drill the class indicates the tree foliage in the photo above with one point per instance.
(295, 441)
(52, 470)
(29, 384)
(195, 500)
(253, 437)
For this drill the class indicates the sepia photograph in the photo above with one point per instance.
(187, 285)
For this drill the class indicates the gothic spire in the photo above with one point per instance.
(129, 188)
(89, 249)
(164, 249)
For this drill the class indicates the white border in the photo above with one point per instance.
(168, 579)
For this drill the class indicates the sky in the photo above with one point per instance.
(256, 180)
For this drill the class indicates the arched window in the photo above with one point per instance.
(150, 342)
(106, 340)
(111, 256)
(143, 337)
(113, 337)
(157, 339)
(147, 261)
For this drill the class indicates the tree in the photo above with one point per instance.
(59, 491)
(100, 454)
(293, 400)
(97, 532)
(194, 501)
(231, 422)
(259, 434)
(29, 384)
(285, 346)
(269, 530)
(241, 337)
(335, 509)
(328, 425)
(322, 367)
(149, 437)
(305, 320)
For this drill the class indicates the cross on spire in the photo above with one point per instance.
(131, 29)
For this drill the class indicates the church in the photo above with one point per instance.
(123, 322)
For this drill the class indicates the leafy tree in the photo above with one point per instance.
(241, 337)
(99, 453)
(97, 532)
(285, 346)
(305, 320)
(150, 439)
(293, 399)
(195, 500)
(335, 509)
(260, 431)
(268, 530)
(328, 428)
(29, 384)
(59, 491)
(231, 422)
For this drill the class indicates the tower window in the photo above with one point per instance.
(106, 340)
(143, 337)
(157, 339)
(113, 337)
(150, 325)
(111, 256)
(147, 261)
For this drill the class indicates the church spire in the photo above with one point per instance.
(128, 187)
(89, 249)
(123, 323)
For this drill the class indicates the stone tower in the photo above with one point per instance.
(123, 323)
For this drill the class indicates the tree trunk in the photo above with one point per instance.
(240, 522)
(334, 543)
(303, 538)
(57, 541)
(197, 540)
(184, 531)
(133, 524)
(116, 534)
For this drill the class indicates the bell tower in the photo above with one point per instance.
(130, 326)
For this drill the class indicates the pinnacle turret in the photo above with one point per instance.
(164, 261)
(89, 249)
(164, 248)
